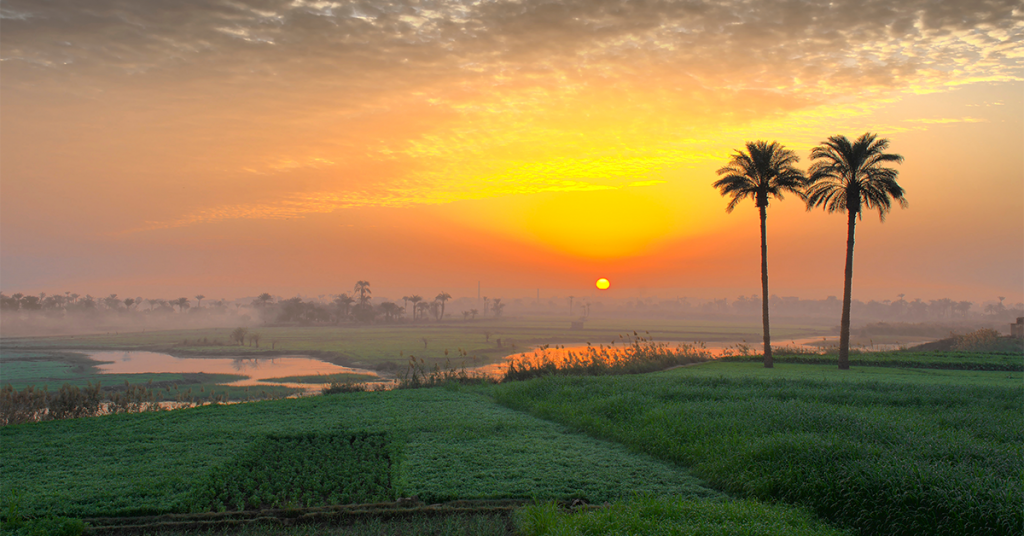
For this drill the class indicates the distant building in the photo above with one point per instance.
(1017, 330)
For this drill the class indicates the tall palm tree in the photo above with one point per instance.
(766, 170)
(850, 177)
(362, 288)
(443, 297)
(415, 299)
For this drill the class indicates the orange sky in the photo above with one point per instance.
(231, 148)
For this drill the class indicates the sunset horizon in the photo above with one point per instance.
(296, 147)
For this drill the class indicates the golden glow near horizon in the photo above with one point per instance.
(602, 284)
(584, 131)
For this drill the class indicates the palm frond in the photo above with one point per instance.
(848, 176)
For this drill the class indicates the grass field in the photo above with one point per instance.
(803, 448)
(910, 453)
(452, 444)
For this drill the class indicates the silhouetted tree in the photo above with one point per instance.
(766, 170)
(182, 304)
(415, 299)
(422, 308)
(390, 310)
(435, 309)
(262, 300)
(442, 297)
(199, 299)
(238, 335)
(497, 307)
(344, 304)
(850, 177)
(363, 289)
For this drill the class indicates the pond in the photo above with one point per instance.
(257, 370)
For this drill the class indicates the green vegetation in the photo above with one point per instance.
(300, 470)
(454, 520)
(455, 444)
(902, 359)
(903, 449)
(663, 515)
(892, 457)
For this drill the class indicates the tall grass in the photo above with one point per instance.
(71, 402)
(638, 355)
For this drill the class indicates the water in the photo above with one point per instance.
(256, 370)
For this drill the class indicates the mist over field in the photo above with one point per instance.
(70, 313)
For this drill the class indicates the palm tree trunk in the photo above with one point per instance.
(844, 324)
(768, 363)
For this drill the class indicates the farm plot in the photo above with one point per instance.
(451, 444)
(923, 454)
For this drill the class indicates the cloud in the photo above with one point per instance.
(390, 103)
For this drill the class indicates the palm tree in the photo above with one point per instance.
(443, 297)
(344, 303)
(363, 289)
(764, 171)
(850, 177)
(200, 298)
(415, 299)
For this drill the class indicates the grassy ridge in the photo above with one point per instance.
(950, 360)
(455, 445)
(654, 515)
(881, 457)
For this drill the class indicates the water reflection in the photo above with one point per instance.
(254, 369)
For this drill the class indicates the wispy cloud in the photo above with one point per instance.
(402, 102)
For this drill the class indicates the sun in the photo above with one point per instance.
(603, 284)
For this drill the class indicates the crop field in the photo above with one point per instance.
(446, 444)
(880, 453)
(718, 448)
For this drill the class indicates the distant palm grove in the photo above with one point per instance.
(846, 176)
(345, 307)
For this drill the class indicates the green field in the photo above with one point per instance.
(916, 452)
(715, 448)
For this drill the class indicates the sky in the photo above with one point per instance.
(236, 147)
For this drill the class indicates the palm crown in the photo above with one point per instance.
(853, 176)
(765, 170)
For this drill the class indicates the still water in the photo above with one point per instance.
(255, 370)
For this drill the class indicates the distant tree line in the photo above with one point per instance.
(358, 307)
(70, 302)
